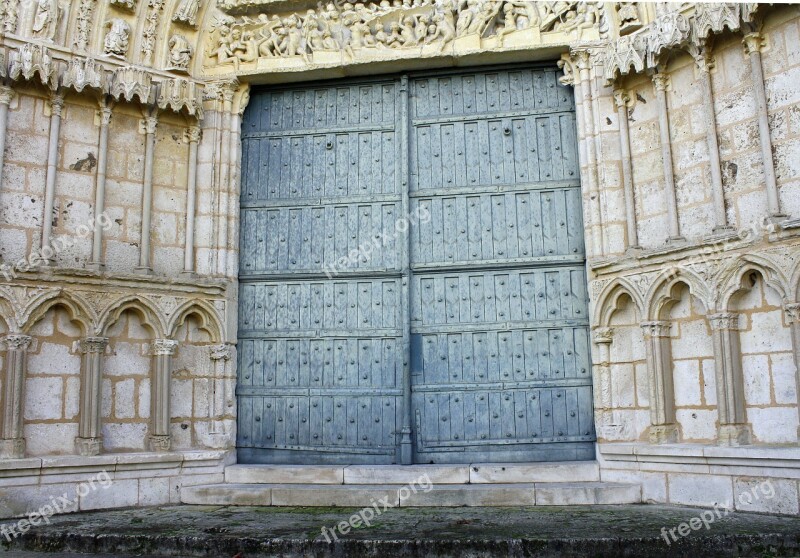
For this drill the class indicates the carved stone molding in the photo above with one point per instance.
(32, 61)
(83, 73)
(129, 82)
(181, 95)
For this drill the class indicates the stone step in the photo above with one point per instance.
(392, 495)
(476, 473)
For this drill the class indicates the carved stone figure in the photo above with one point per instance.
(117, 38)
(45, 19)
(628, 15)
(10, 15)
(187, 12)
(180, 52)
(124, 4)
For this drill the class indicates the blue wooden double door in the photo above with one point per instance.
(412, 283)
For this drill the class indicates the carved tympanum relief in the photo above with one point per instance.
(187, 12)
(45, 19)
(336, 32)
(180, 53)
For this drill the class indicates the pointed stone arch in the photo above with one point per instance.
(209, 319)
(663, 292)
(735, 277)
(78, 310)
(146, 310)
(609, 301)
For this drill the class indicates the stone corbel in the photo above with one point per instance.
(12, 443)
(162, 351)
(733, 427)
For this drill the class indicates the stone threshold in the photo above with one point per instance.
(418, 495)
(766, 456)
(61, 464)
(472, 473)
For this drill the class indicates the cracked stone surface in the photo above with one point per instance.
(219, 532)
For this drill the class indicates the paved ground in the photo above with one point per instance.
(250, 532)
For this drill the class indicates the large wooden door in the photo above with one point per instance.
(320, 344)
(468, 329)
(500, 347)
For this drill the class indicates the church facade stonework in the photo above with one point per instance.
(126, 129)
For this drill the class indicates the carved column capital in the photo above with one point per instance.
(16, 341)
(724, 321)
(603, 335)
(57, 104)
(660, 81)
(621, 98)
(163, 347)
(702, 57)
(793, 312)
(656, 328)
(753, 42)
(150, 124)
(220, 352)
(94, 344)
(567, 65)
(6, 95)
(105, 115)
(193, 134)
(582, 58)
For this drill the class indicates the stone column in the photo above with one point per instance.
(704, 66)
(193, 135)
(658, 345)
(150, 124)
(660, 82)
(90, 440)
(12, 443)
(218, 395)
(583, 64)
(793, 313)
(753, 43)
(227, 91)
(6, 95)
(97, 263)
(733, 427)
(621, 99)
(162, 350)
(57, 106)
(602, 337)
